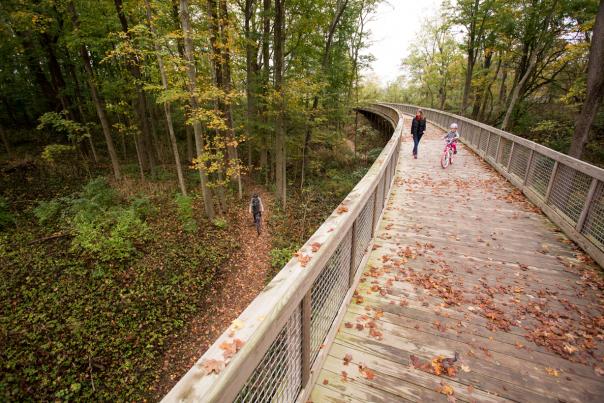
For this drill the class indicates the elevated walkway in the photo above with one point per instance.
(428, 284)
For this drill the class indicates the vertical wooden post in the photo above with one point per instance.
(486, 149)
(353, 252)
(528, 167)
(499, 150)
(550, 184)
(306, 314)
(586, 206)
(510, 157)
(374, 218)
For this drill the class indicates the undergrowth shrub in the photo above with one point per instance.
(102, 227)
(220, 223)
(184, 208)
(280, 256)
(6, 217)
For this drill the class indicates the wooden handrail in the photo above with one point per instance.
(260, 324)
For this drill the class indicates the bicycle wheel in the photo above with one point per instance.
(444, 160)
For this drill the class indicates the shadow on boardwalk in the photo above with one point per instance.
(464, 266)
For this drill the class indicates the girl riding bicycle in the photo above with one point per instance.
(452, 136)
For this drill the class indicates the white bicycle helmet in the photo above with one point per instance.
(453, 126)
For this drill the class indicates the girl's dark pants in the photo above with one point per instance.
(416, 139)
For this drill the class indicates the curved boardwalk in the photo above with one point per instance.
(463, 265)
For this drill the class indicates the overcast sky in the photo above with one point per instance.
(393, 27)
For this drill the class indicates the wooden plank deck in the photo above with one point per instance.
(462, 263)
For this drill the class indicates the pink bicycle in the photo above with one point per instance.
(447, 157)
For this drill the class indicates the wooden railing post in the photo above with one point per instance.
(528, 167)
(499, 150)
(510, 157)
(375, 216)
(306, 314)
(353, 252)
(486, 149)
(588, 200)
(550, 184)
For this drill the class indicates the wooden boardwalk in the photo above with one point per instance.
(464, 266)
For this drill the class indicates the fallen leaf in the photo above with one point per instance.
(325, 381)
(465, 368)
(209, 366)
(348, 325)
(552, 371)
(302, 259)
(445, 389)
(344, 376)
(341, 209)
(347, 359)
(315, 246)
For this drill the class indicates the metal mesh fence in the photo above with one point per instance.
(504, 154)
(594, 223)
(380, 195)
(278, 376)
(569, 192)
(327, 294)
(519, 161)
(484, 137)
(362, 234)
(540, 172)
(492, 147)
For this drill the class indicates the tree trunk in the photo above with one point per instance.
(191, 74)
(141, 102)
(232, 151)
(251, 71)
(99, 104)
(595, 88)
(486, 66)
(266, 34)
(280, 156)
(167, 111)
(340, 7)
(516, 92)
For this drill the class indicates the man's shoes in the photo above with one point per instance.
(415, 156)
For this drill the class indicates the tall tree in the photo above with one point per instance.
(143, 116)
(194, 105)
(167, 107)
(278, 61)
(595, 88)
(99, 104)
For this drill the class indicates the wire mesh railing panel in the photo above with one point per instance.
(327, 294)
(380, 195)
(278, 376)
(484, 138)
(492, 147)
(476, 136)
(362, 233)
(594, 223)
(504, 154)
(569, 191)
(540, 173)
(519, 161)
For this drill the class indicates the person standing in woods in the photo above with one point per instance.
(256, 208)
(418, 127)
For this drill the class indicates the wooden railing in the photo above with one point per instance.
(275, 349)
(569, 191)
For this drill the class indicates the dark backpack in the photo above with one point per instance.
(255, 205)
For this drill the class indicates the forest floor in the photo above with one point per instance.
(235, 286)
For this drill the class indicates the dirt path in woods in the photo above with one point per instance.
(236, 285)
